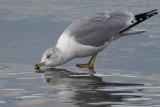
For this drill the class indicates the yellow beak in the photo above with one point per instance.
(38, 65)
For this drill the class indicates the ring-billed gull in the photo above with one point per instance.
(90, 35)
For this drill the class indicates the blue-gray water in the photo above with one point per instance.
(127, 71)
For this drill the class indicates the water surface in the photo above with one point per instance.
(73, 87)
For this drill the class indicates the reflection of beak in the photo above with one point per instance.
(38, 65)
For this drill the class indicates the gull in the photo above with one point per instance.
(89, 35)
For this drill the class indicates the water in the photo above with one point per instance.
(20, 86)
(127, 71)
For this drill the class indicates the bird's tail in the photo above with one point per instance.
(138, 19)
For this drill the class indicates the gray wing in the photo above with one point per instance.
(95, 30)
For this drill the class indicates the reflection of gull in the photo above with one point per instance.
(63, 76)
(90, 35)
(84, 90)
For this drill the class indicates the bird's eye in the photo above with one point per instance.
(48, 56)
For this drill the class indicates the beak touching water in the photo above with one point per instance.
(38, 65)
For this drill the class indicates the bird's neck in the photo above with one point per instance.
(65, 50)
(65, 56)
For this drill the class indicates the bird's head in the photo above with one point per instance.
(51, 57)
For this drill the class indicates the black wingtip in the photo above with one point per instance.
(153, 10)
(142, 17)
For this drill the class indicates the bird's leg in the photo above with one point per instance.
(90, 64)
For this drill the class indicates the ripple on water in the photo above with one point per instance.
(15, 73)
(110, 75)
(22, 78)
(2, 102)
(135, 94)
(13, 89)
(28, 97)
(2, 81)
(135, 106)
(126, 88)
(137, 99)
